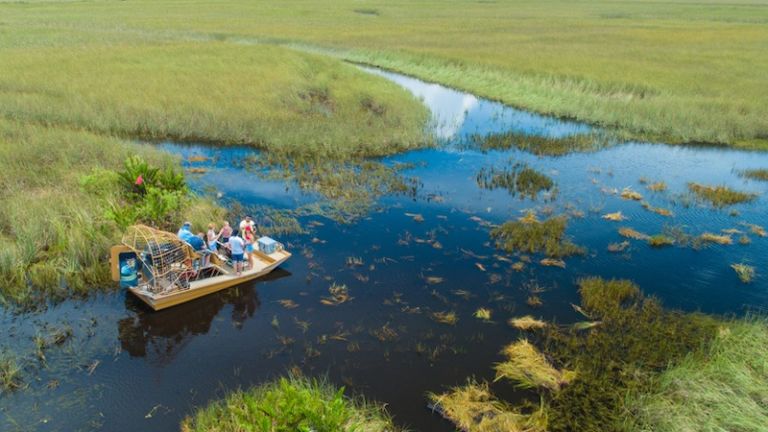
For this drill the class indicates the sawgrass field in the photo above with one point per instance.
(678, 71)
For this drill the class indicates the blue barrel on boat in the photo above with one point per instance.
(128, 276)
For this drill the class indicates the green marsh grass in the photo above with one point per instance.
(517, 179)
(721, 387)
(720, 196)
(529, 235)
(56, 227)
(287, 405)
(755, 174)
(269, 97)
(662, 70)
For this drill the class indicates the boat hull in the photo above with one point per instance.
(211, 285)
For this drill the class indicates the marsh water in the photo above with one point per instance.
(127, 368)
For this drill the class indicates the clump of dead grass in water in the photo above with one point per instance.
(745, 272)
(528, 368)
(660, 240)
(720, 196)
(472, 408)
(449, 318)
(526, 323)
(716, 238)
(532, 236)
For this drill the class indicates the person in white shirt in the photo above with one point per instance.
(236, 245)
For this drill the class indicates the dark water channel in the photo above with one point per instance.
(128, 369)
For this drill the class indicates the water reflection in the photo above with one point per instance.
(457, 115)
(160, 336)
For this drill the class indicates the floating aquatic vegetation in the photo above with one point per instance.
(629, 194)
(658, 210)
(541, 145)
(581, 310)
(660, 240)
(528, 368)
(417, 217)
(720, 196)
(744, 240)
(303, 325)
(532, 236)
(472, 408)
(715, 238)
(494, 278)
(756, 229)
(755, 174)
(198, 158)
(745, 272)
(534, 301)
(449, 318)
(288, 303)
(618, 247)
(633, 234)
(354, 262)
(385, 333)
(480, 266)
(526, 323)
(339, 295)
(552, 262)
(10, 373)
(517, 179)
(466, 295)
(483, 314)
(617, 217)
(604, 296)
(656, 187)
(434, 280)
(586, 325)
(518, 266)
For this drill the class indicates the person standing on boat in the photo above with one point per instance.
(250, 239)
(236, 245)
(225, 232)
(246, 223)
(213, 238)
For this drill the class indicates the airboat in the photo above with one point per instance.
(163, 270)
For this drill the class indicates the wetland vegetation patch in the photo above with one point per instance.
(290, 404)
(720, 196)
(529, 235)
(518, 179)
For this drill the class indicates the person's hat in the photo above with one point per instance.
(187, 223)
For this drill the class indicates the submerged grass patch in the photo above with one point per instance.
(720, 196)
(533, 236)
(540, 145)
(517, 179)
(745, 272)
(755, 174)
(290, 404)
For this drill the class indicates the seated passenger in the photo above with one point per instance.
(185, 232)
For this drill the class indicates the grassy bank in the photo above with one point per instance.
(673, 70)
(290, 404)
(266, 96)
(55, 225)
(723, 387)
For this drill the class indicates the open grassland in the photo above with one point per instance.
(270, 97)
(721, 388)
(676, 70)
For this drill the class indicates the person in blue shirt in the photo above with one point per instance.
(185, 232)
